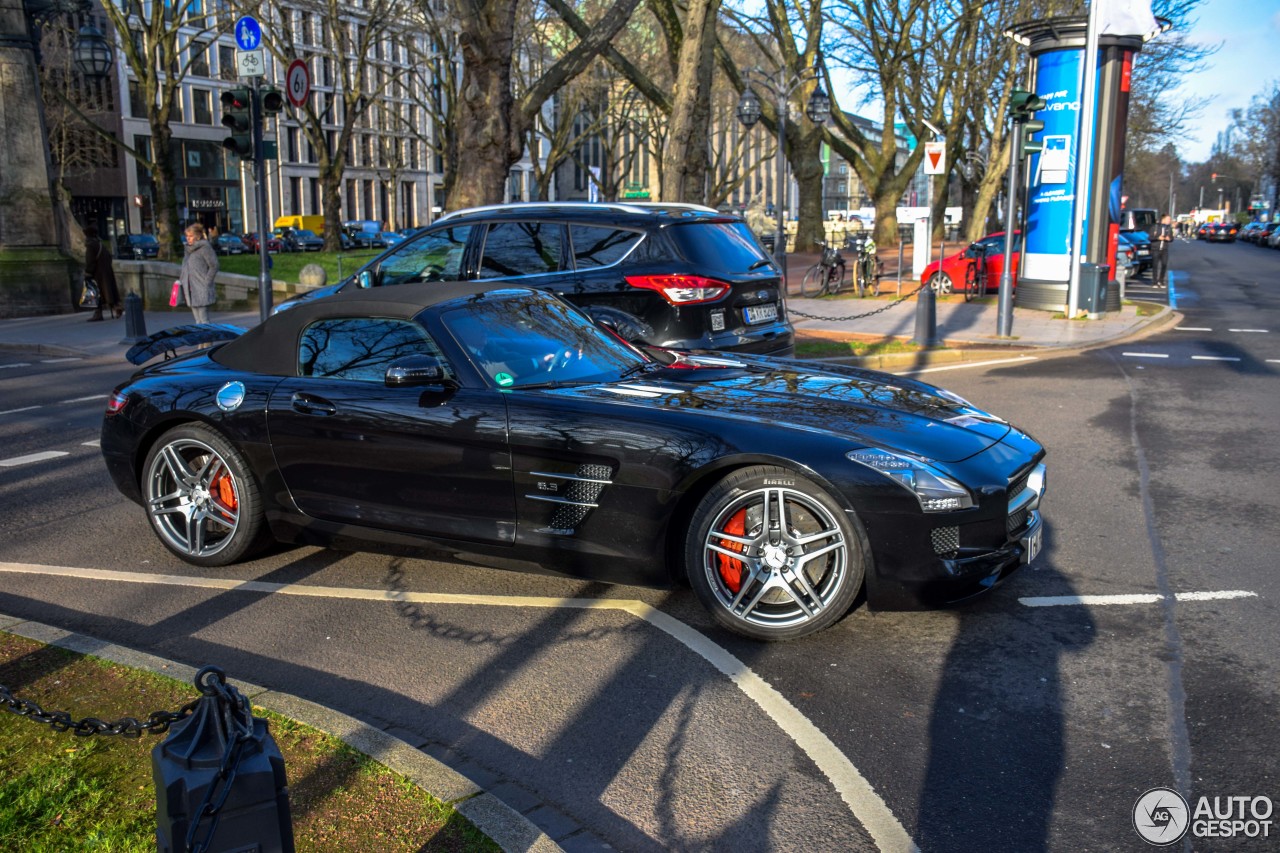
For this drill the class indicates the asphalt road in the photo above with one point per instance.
(1018, 722)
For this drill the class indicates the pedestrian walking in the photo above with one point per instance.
(1160, 241)
(199, 269)
(98, 266)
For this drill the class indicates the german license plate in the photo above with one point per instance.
(1031, 544)
(754, 314)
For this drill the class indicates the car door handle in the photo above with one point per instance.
(308, 405)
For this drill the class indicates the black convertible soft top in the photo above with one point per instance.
(271, 347)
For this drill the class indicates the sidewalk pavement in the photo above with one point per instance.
(960, 324)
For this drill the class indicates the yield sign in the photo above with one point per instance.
(935, 158)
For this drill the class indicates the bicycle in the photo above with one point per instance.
(868, 268)
(975, 276)
(826, 276)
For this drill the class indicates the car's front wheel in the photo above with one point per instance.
(941, 283)
(201, 498)
(772, 556)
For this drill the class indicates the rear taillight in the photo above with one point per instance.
(117, 403)
(682, 289)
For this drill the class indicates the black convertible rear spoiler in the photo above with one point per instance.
(171, 340)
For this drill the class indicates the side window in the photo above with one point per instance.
(600, 247)
(522, 248)
(432, 257)
(361, 348)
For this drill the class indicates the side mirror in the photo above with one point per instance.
(411, 370)
(365, 279)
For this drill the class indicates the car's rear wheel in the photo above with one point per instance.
(941, 283)
(201, 498)
(772, 556)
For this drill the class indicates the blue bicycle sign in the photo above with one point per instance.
(248, 33)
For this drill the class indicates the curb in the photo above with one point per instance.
(967, 351)
(45, 349)
(508, 828)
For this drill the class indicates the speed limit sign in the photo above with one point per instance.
(297, 82)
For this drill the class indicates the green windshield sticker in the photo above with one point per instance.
(503, 379)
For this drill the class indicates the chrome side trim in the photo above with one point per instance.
(1029, 497)
(550, 499)
(573, 477)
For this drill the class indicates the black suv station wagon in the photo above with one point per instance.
(676, 276)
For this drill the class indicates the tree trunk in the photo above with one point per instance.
(485, 108)
(685, 156)
(331, 198)
(163, 186)
(806, 165)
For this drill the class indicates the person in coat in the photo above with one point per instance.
(98, 266)
(199, 269)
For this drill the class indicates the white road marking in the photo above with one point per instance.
(1273, 361)
(82, 399)
(15, 411)
(1192, 329)
(968, 364)
(1146, 354)
(1214, 358)
(32, 457)
(59, 360)
(865, 804)
(19, 364)
(97, 442)
(1137, 598)
(1261, 331)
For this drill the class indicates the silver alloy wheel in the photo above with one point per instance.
(792, 556)
(941, 283)
(186, 491)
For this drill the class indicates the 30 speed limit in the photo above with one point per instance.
(297, 82)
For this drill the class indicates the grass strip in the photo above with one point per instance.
(285, 266)
(61, 792)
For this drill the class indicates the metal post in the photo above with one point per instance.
(780, 238)
(260, 196)
(926, 334)
(901, 251)
(1004, 317)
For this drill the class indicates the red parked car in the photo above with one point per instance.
(251, 240)
(955, 267)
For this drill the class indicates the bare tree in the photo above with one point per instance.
(160, 42)
(1258, 139)
(684, 158)
(491, 121)
(365, 56)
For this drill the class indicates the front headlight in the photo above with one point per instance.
(935, 491)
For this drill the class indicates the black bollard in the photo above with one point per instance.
(219, 777)
(135, 324)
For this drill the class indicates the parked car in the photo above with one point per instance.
(1273, 238)
(306, 240)
(1249, 231)
(1202, 232)
(495, 423)
(137, 247)
(678, 276)
(1223, 232)
(392, 238)
(229, 244)
(365, 233)
(251, 240)
(1141, 246)
(950, 275)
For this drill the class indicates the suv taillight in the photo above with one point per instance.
(681, 289)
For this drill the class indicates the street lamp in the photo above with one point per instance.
(818, 110)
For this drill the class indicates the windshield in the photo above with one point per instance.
(305, 234)
(520, 340)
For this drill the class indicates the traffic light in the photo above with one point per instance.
(237, 114)
(1031, 146)
(272, 101)
(1215, 177)
(1022, 104)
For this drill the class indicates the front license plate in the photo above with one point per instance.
(1031, 544)
(760, 313)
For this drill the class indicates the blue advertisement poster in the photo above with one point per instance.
(1052, 173)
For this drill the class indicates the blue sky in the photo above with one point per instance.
(1248, 61)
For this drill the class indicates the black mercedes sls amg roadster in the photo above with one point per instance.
(501, 426)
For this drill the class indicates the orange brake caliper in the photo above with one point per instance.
(730, 569)
(226, 491)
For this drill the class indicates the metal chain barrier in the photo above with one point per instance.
(157, 722)
(883, 308)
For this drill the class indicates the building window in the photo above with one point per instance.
(202, 106)
(199, 59)
(291, 145)
(352, 211)
(137, 107)
(313, 186)
(295, 196)
(175, 108)
(226, 62)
